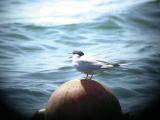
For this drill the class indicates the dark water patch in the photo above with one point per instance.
(66, 68)
(140, 102)
(36, 28)
(51, 32)
(4, 57)
(134, 43)
(135, 80)
(151, 70)
(14, 2)
(154, 5)
(3, 79)
(10, 2)
(11, 28)
(149, 90)
(110, 23)
(1, 40)
(11, 49)
(30, 48)
(50, 47)
(135, 71)
(19, 31)
(74, 43)
(69, 27)
(114, 73)
(144, 23)
(156, 55)
(107, 40)
(67, 37)
(144, 16)
(124, 92)
(151, 61)
(49, 75)
(146, 48)
(72, 27)
(22, 92)
(11, 71)
(17, 36)
(25, 98)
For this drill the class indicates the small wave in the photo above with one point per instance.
(108, 23)
(10, 49)
(151, 69)
(143, 22)
(66, 68)
(124, 92)
(16, 36)
(50, 47)
(34, 27)
(30, 48)
(48, 75)
(21, 92)
(156, 56)
(151, 61)
(146, 48)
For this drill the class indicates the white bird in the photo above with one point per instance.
(89, 65)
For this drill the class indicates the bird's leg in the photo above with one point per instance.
(91, 77)
(86, 76)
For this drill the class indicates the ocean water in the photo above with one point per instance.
(36, 37)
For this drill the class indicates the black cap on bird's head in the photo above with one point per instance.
(80, 53)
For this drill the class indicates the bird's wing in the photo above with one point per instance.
(89, 62)
(102, 61)
(105, 64)
(96, 63)
(93, 63)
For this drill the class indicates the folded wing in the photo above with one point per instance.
(91, 63)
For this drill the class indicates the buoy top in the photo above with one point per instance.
(83, 100)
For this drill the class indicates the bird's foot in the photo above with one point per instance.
(87, 78)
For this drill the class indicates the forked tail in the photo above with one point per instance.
(116, 65)
(120, 64)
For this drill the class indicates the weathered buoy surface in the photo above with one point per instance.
(83, 100)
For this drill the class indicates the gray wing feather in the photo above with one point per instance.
(91, 63)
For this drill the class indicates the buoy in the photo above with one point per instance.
(39, 115)
(83, 100)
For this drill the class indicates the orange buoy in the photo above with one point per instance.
(83, 100)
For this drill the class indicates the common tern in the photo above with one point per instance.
(89, 65)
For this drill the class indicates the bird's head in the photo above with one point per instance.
(75, 55)
(79, 53)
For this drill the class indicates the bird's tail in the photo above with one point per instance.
(116, 65)
(121, 64)
(111, 65)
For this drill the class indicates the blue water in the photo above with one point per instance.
(36, 37)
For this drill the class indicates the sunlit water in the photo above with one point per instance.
(36, 37)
